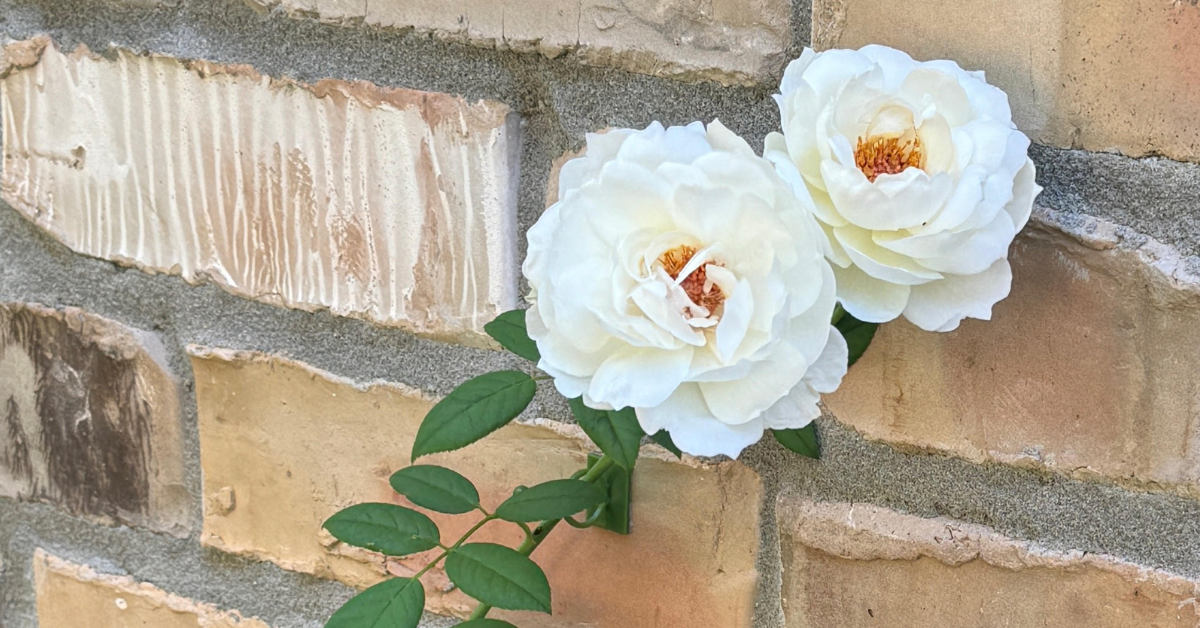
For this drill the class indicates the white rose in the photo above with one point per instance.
(919, 178)
(679, 275)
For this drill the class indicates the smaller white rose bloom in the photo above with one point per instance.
(678, 275)
(918, 176)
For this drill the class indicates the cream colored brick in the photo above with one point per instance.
(730, 41)
(392, 205)
(855, 565)
(89, 418)
(75, 596)
(1088, 368)
(1116, 75)
(293, 445)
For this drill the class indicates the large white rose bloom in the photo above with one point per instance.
(918, 175)
(677, 274)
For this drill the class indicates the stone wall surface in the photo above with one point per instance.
(245, 245)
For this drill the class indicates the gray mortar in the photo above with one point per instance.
(279, 597)
(1154, 196)
(559, 100)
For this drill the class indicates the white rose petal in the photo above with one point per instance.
(917, 175)
(680, 275)
(941, 305)
(869, 299)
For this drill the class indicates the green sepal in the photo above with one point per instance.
(615, 432)
(663, 438)
(802, 441)
(858, 334)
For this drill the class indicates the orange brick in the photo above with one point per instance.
(855, 565)
(284, 446)
(1088, 368)
(75, 596)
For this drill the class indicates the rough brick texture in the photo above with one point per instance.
(392, 205)
(284, 446)
(89, 418)
(1089, 367)
(855, 565)
(730, 41)
(1117, 75)
(75, 596)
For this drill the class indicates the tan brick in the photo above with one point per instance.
(730, 41)
(89, 418)
(293, 445)
(75, 596)
(1114, 75)
(392, 205)
(852, 565)
(1088, 368)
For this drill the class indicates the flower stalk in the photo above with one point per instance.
(539, 533)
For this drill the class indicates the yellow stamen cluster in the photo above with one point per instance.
(887, 155)
(673, 262)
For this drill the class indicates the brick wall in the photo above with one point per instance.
(245, 245)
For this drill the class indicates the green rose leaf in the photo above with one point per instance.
(475, 409)
(485, 623)
(499, 576)
(615, 432)
(663, 438)
(395, 603)
(802, 441)
(386, 528)
(436, 488)
(555, 499)
(858, 335)
(508, 329)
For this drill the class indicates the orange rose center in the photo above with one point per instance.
(675, 260)
(887, 155)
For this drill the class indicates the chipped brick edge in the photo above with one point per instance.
(45, 564)
(603, 56)
(864, 532)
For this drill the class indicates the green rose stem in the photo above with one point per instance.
(540, 532)
(446, 550)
